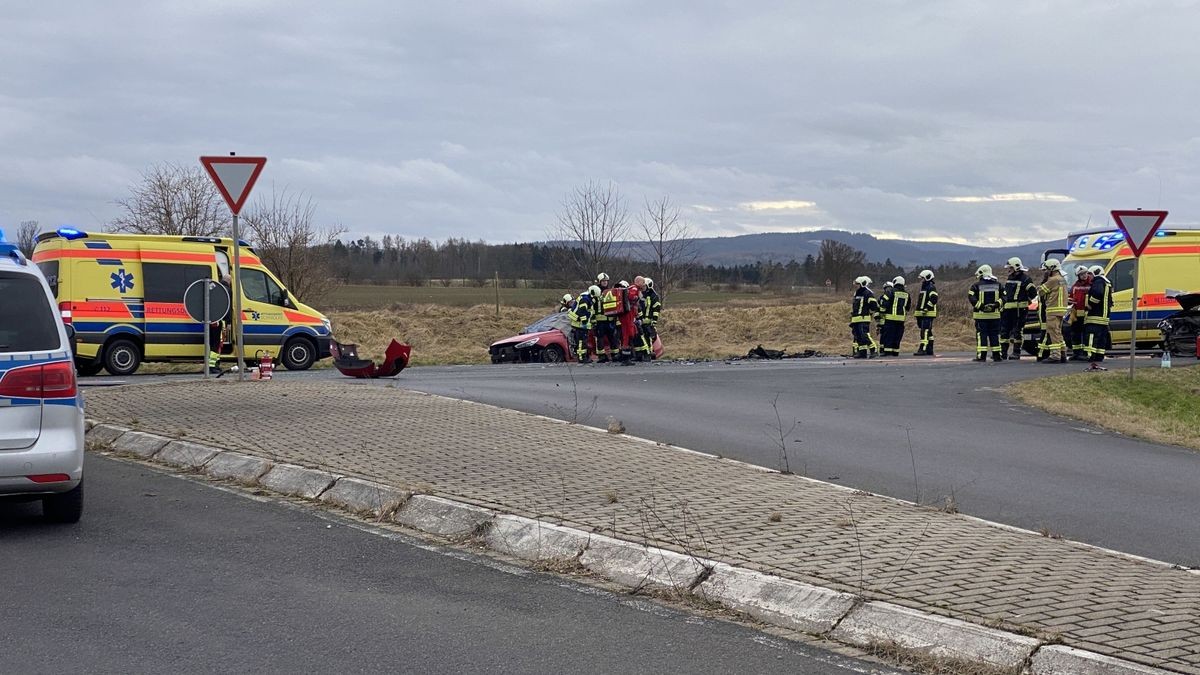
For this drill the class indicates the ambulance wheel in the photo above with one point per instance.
(298, 354)
(88, 368)
(122, 357)
(553, 354)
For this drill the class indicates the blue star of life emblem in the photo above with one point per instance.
(122, 280)
(254, 315)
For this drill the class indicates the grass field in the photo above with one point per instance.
(1158, 405)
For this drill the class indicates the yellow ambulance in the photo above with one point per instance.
(1170, 264)
(123, 294)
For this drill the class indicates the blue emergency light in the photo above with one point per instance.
(8, 250)
(70, 233)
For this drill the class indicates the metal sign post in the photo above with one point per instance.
(204, 326)
(202, 300)
(1139, 227)
(235, 177)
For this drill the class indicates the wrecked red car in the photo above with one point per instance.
(544, 341)
(348, 363)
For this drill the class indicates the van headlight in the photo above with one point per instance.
(328, 326)
(526, 344)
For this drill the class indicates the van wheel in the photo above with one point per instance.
(88, 368)
(64, 508)
(122, 357)
(298, 354)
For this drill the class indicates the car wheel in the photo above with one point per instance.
(122, 357)
(64, 508)
(298, 354)
(553, 354)
(88, 368)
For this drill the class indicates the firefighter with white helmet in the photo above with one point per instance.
(1052, 311)
(604, 321)
(893, 305)
(1078, 310)
(925, 311)
(581, 315)
(1096, 337)
(1019, 291)
(887, 287)
(565, 302)
(986, 301)
(862, 309)
(651, 307)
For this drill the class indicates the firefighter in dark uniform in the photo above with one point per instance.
(863, 308)
(604, 323)
(887, 288)
(580, 316)
(651, 307)
(1019, 291)
(1096, 337)
(925, 312)
(894, 308)
(986, 298)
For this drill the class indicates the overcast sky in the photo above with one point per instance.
(989, 122)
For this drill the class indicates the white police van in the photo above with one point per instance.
(41, 409)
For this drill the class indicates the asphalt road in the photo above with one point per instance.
(169, 575)
(995, 459)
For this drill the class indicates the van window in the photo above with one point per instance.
(49, 270)
(259, 287)
(222, 264)
(166, 282)
(1121, 275)
(27, 321)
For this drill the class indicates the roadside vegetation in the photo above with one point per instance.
(1158, 405)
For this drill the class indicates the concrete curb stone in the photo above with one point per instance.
(297, 481)
(534, 540)
(1061, 660)
(443, 516)
(140, 444)
(638, 566)
(231, 465)
(186, 455)
(775, 600)
(364, 496)
(105, 434)
(881, 622)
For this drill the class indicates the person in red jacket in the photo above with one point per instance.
(1077, 311)
(628, 319)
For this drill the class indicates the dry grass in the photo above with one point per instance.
(1158, 405)
(453, 335)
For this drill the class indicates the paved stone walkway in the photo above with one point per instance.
(780, 524)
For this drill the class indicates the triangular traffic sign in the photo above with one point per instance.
(1139, 227)
(234, 177)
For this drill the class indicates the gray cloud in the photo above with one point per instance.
(474, 119)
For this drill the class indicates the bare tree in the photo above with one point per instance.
(283, 234)
(839, 261)
(172, 199)
(27, 233)
(592, 220)
(672, 243)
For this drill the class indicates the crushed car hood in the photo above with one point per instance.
(1188, 301)
(521, 337)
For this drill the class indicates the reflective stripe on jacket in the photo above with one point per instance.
(926, 301)
(897, 306)
(1019, 291)
(1099, 302)
(985, 298)
(864, 306)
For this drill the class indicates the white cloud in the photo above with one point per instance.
(779, 205)
(1005, 197)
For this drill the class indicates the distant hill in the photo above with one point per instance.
(784, 246)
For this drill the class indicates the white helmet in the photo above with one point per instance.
(649, 282)
(926, 275)
(1051, 264)
(1097, 270)
(863, 281)
(601, 277)
(898, 281)
(623, 284)
(1014, 263)
(1081, 270)
(594, 291)
(566, 299)
(984, 271)
(888, 284)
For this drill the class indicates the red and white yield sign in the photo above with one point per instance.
(234, 177)
(1139, 227)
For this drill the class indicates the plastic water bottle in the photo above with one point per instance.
(1166, 359)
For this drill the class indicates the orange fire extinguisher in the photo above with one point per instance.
(265, 364)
